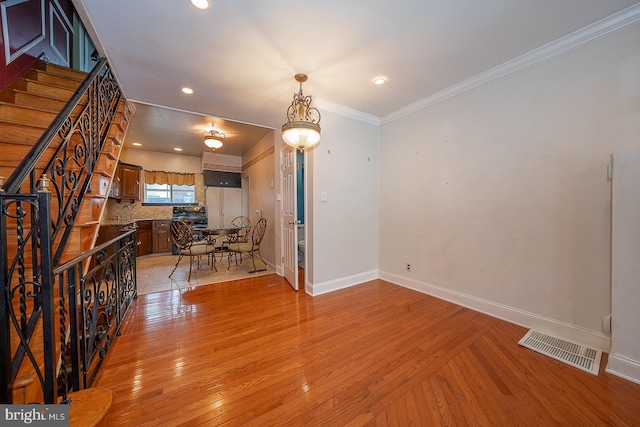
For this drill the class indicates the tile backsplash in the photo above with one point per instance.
(117, 209)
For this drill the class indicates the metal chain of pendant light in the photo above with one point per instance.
(302, 129)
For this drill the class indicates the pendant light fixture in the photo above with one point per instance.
(302, 129)
(212, 138)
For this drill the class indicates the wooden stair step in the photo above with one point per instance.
(41, 88)
(66, 82)
(20, 385)
(60, 70)
(91, 210)
(29, 115)
(100, 183)
(111, 148)
(20, 97)
(20, 133)
(89, 406)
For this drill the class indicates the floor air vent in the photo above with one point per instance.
(571, 353)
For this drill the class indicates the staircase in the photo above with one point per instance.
(28, 107)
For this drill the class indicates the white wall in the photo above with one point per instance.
(152, 161)
(498, 197)
(624, 358)
(345, 166)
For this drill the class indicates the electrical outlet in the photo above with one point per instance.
(408, 267)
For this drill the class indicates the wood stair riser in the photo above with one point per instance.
(106, 164)
(44, 89)
(112, 149)
(61, 71)
(91, 210)
(52, 79)
(26, 99)
(30, 116)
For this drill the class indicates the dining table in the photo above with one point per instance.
(225, 231)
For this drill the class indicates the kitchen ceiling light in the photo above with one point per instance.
(302, 129)
(200, 4)
(213, 139)
(187, 90)
(380, 80)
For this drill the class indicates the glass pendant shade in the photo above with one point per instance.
(213, 139)
(302, 129)
(213, 143)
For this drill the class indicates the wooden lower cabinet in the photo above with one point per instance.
(154, 236)
(145, 238)
(161, 236)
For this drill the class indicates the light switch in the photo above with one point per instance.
(323, 196)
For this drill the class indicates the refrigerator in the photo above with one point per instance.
(223, 205)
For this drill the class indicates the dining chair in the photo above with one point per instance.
(243, 224)
(250, 247)
(182, 237)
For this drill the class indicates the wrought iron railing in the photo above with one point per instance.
(72, 320)
(78, 134)
(81, 312)
(97, 304)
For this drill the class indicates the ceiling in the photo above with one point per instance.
(240, 56)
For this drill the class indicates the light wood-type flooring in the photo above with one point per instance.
(254, 352)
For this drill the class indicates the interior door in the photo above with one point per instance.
(289, 216)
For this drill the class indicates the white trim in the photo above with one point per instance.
(65, 57)
(510, 314)
(591, 32)
(8, 58)
(315, 289)
(63, 15)
(324, 104)
(624, 368)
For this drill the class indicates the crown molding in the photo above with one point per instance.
(589, 33)
(324, 104)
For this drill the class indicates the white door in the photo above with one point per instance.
(289, 216)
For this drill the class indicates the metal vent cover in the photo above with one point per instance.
(571, 353)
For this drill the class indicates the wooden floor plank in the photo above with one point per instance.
(255, 352)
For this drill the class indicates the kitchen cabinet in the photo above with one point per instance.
(161, 236)
(126, 182)
(145, 237)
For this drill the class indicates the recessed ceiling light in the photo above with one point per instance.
(200, 4)
(178, 149)
(187, 90)
(380, 80)
(137, 144)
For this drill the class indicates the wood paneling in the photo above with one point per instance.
(255, 352)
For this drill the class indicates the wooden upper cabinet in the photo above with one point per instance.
(126, 182)
(130, 185)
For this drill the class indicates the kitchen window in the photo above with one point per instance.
(169, 194)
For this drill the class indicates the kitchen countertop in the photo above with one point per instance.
(131, 220)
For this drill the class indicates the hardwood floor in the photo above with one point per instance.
(254, 352)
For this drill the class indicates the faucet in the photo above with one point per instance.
(122, 217)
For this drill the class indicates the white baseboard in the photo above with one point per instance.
(624, 367)
(316, 289)
(510, 314)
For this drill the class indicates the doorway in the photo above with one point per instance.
(300, 201)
